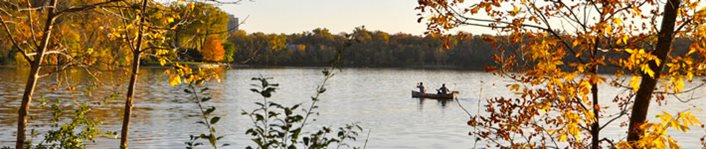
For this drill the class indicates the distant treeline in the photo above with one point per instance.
(361, 48)
(364, 48)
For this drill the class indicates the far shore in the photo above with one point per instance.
(231, 65)
(264, 66)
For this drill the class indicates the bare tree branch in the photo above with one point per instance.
(12, 39)
(85, 7)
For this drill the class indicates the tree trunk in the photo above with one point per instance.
(595, 128)
(33, 76)
(647, 84)
(128, 101)
(137, 51)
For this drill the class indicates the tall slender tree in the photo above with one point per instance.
(136, 54)
(33, 45)
(648, 82)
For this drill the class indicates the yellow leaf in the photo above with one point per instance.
(608, 28)
(584, 88)
(673, 143)
(162, 61)
(170, 20)
(646, 69)
(635, 83)
(678, 84)
(514, 9)
(562, 137)
(514, 87)
(89, 51)
(658, 144)
(629, 50)
(618, 21)
(691, 51)
(625, 39)
(191, 6)
(581, 69)
(637, 11)
(546, 107)
(624, 145)
(174, 80)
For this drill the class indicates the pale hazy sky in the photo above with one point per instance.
(296, 16)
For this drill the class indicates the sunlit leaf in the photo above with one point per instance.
(635, 83)
(174, 80)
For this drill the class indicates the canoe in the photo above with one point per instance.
(416, 94)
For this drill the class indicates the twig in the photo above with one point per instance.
(316, 97)
(14, 42)
(462, 108)
(366, 139)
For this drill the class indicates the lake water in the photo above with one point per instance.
(379, 99)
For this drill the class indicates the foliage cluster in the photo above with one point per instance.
(199, 95)
(213, 51)
(279, 126)
(561, 47)
(72, 131)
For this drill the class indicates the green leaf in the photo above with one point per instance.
(272, 104)
(205, 99)
(212, 140)
(264, 82)
(203, 136)
(210, 110)
(270, 90)
(215, 119)
(266, 94)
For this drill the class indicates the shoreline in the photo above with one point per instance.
(424, 67)
(257, 66)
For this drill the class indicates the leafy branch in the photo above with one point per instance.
(278, 126)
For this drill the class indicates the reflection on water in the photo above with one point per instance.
(440, 102)
(377, 98)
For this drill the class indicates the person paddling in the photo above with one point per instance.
(442, 90)
(420, 85)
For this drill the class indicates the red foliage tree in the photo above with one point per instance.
(213, 50)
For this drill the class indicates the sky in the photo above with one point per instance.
(296, 16)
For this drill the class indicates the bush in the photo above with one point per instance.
(279, 126)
